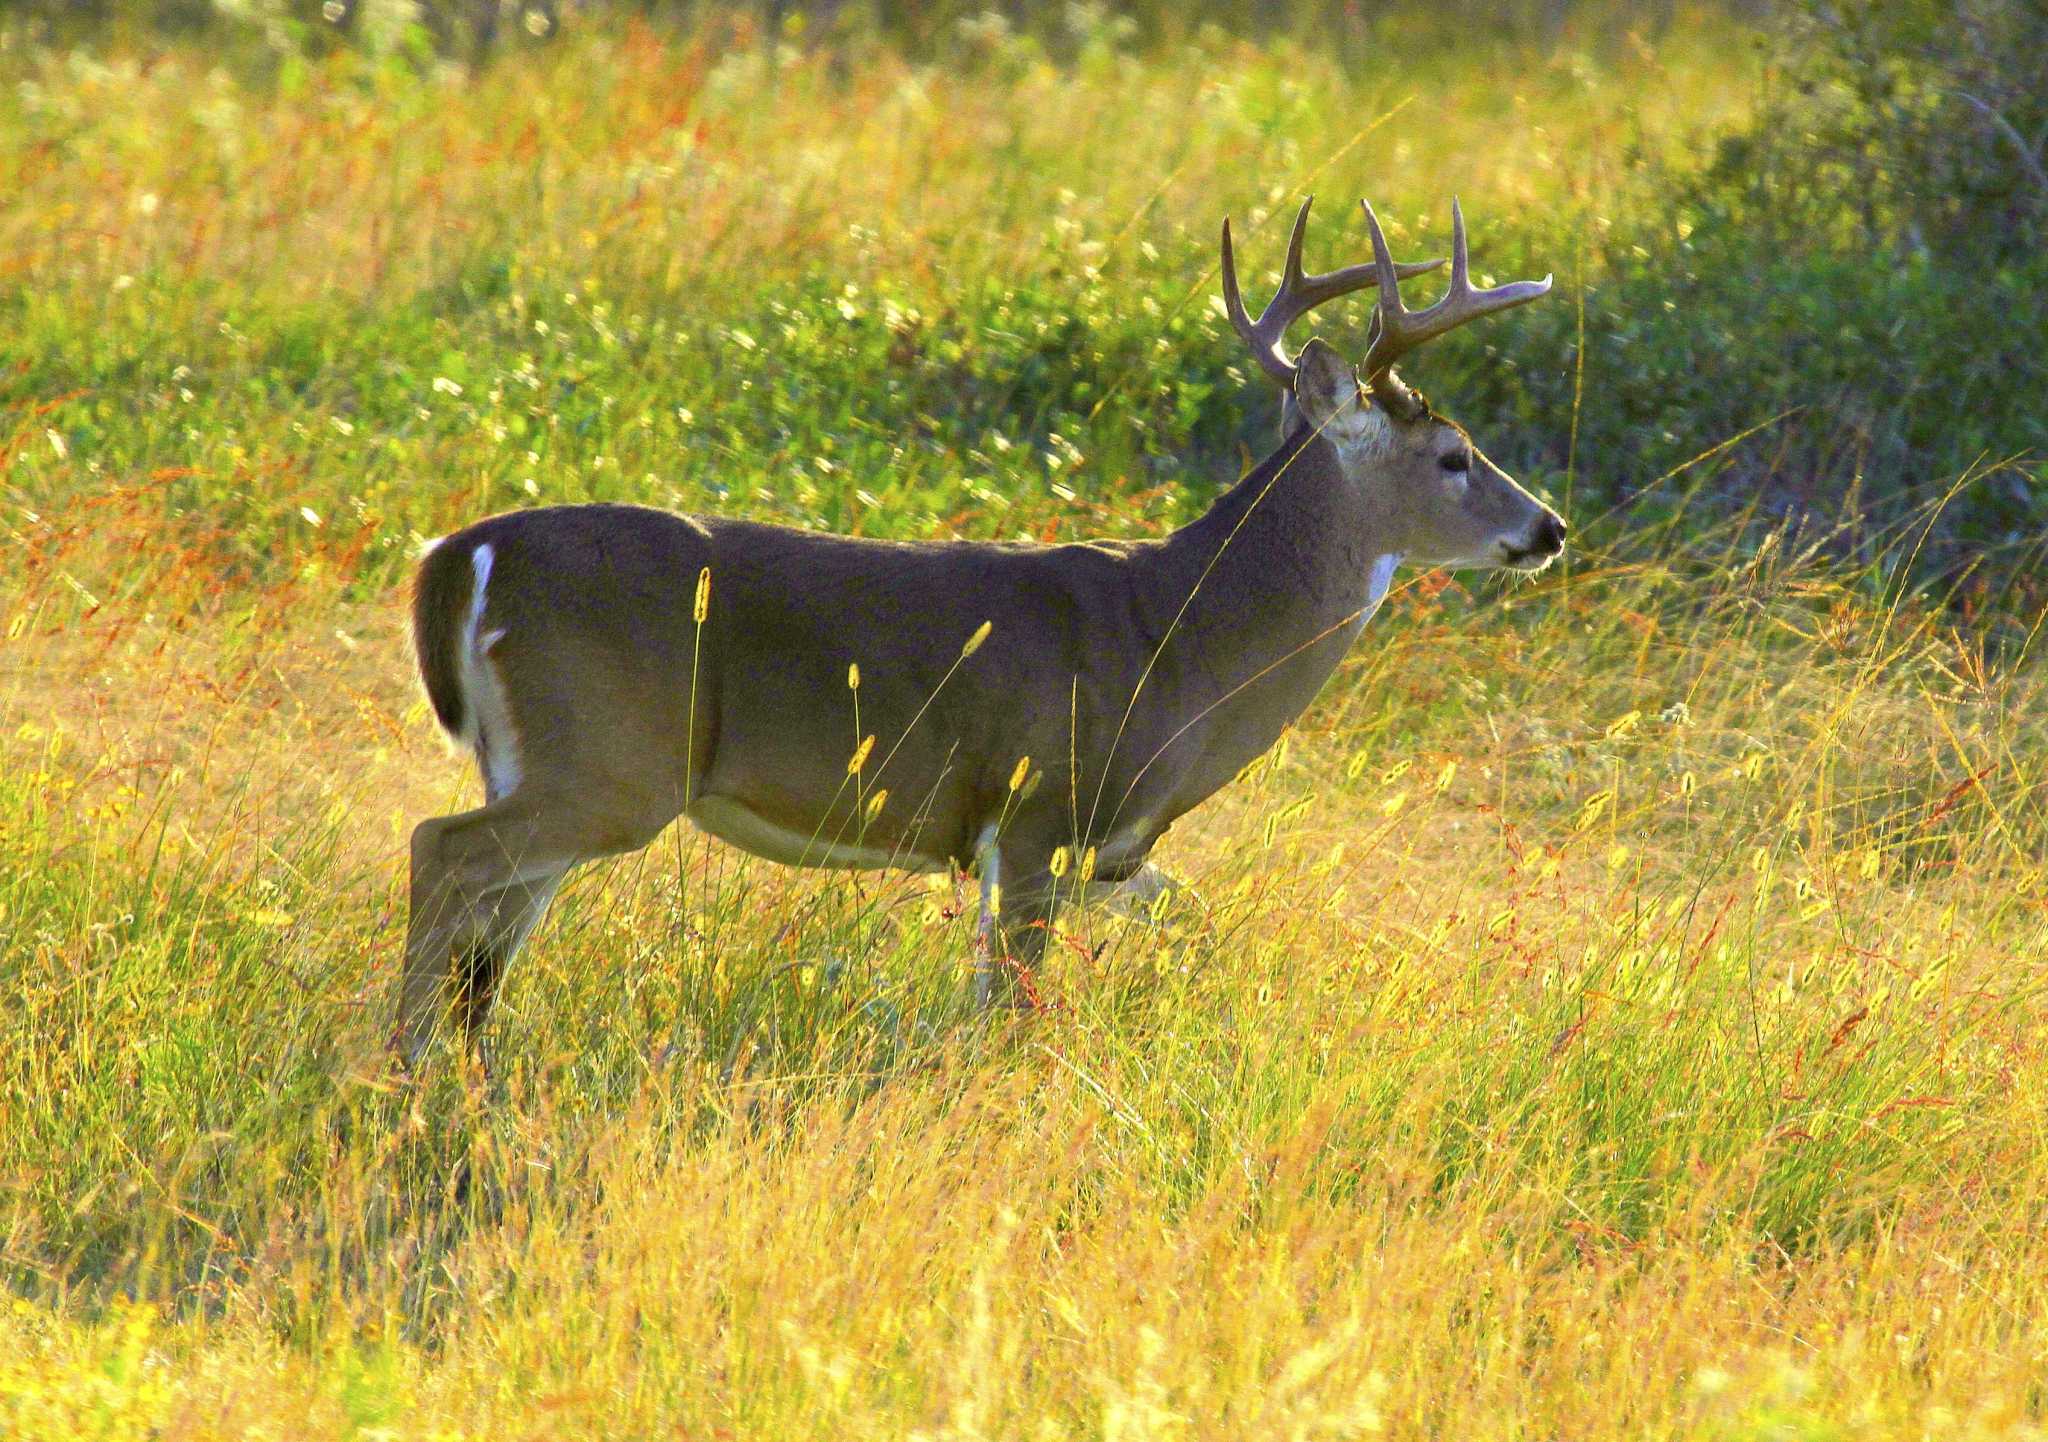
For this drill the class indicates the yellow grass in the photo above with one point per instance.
(1617, 1011)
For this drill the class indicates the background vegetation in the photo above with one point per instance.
(1617, 1010)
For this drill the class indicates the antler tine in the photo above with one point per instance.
(1299, 294)
(1461, 254)
(1264, 351)
(1290, 272)
(1397, 330)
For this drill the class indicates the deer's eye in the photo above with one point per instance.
(1457, 463)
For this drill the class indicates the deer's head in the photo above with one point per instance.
(1433, 496)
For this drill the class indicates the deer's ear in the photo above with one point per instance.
(1326, 389)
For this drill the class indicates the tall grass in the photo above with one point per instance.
(1614, 1011)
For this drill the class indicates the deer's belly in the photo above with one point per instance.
(732, 822)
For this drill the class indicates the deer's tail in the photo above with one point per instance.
(447, 608)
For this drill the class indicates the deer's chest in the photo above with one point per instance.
(1267, 693)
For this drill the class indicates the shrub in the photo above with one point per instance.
(1864, 259)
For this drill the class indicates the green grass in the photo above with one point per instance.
(1615, 1011)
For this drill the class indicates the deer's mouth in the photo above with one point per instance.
(1544, 543)
(1527, 558)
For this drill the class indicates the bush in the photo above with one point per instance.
(1863, 258)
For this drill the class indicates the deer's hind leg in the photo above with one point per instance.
(480, 881)
(507, 917)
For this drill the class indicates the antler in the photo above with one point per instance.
(1397, 330)
(1299, 294)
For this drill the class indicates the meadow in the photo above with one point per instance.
(1616, 1010)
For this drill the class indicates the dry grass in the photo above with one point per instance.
(1615, 1012)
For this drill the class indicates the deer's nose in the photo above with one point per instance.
(1550, 534)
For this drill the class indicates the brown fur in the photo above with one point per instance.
(1159, 667)
(1137, 677)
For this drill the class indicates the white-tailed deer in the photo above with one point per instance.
(613, 667)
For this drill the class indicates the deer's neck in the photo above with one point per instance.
(1284, 560)
(1270, 587)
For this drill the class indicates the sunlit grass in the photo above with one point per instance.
(1615, 1011)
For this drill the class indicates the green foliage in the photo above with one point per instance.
(1069, 31)
(1926, 122)
(1861, 260)
(1853, 272)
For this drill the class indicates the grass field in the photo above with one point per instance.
(1617, 1010)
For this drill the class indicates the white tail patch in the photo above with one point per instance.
(487, 717)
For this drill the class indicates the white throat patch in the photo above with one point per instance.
(1379, 579)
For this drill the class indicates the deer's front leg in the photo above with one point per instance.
(1017, 905)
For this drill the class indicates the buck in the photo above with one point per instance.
(1039, 714)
